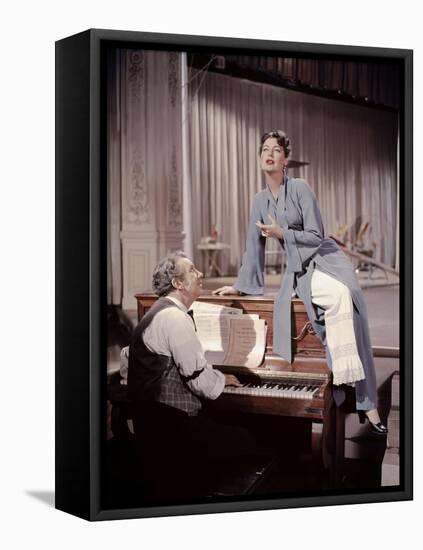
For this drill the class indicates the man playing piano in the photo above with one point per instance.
(169, 376)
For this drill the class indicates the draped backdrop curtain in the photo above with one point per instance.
(351, 151)
(184, 144)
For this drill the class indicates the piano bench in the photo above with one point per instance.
(224, 478)
(240, 477)
(128, 483)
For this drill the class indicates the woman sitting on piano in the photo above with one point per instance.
(317, 271)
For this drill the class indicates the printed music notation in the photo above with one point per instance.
(230, 337)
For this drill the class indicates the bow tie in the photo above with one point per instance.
(191, 314)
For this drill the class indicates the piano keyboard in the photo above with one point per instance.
(291, 391)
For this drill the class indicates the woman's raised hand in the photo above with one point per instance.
(223, 290)
(273, 230)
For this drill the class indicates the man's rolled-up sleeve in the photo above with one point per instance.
(187, 352)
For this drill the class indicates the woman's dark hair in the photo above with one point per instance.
(165, 271)
(281, 138)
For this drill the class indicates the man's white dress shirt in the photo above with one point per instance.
(172, 333)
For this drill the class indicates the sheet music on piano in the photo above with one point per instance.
(247, 341)
(230, 337)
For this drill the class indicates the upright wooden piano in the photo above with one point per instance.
(300, 389)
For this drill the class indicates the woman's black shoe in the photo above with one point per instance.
(378, 429)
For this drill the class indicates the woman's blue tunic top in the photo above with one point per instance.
(297, 212)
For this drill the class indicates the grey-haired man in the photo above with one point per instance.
(169, 376)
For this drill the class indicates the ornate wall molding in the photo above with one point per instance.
(175, 206)
(138, 207)
(136, 71)
(151, 153)
(173, 77)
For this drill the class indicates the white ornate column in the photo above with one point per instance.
(151, 166)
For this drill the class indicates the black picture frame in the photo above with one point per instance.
(81, 269)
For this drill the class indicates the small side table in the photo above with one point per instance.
(211, 251)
